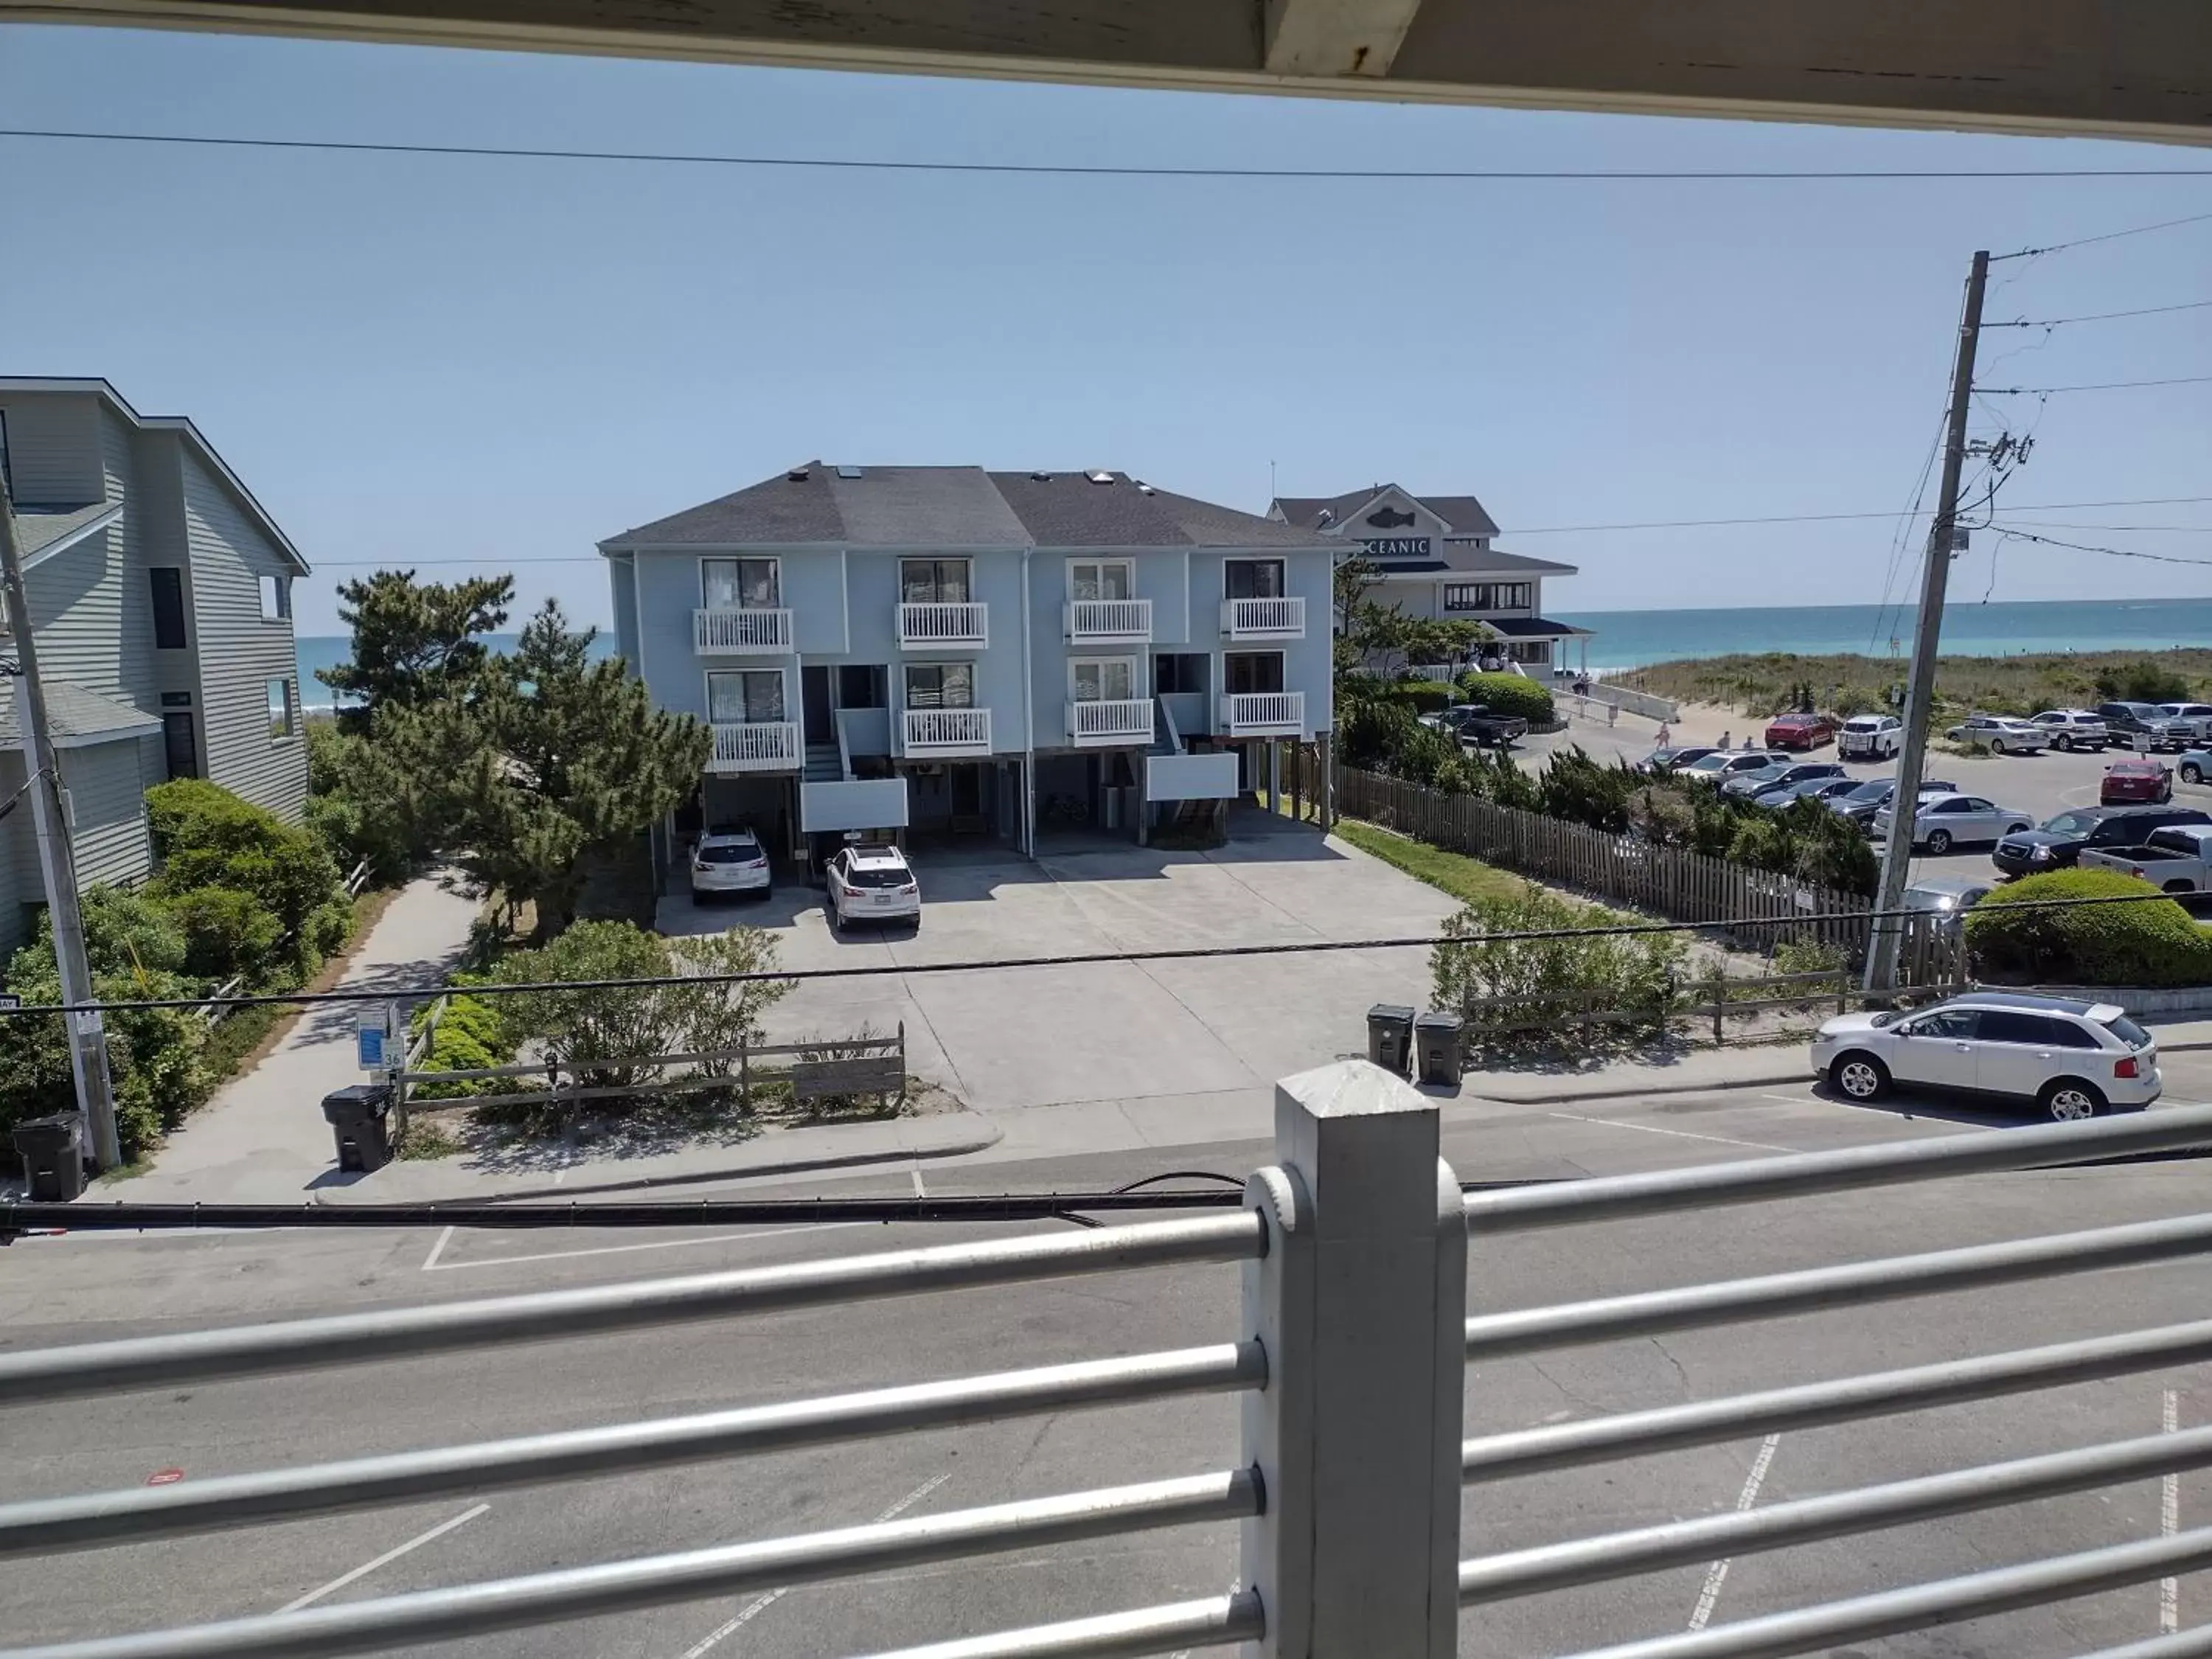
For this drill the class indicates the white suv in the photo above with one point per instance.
(1870, 736)
(2074, 728)
(729, 861)
(872, 883)
(2073, 1060)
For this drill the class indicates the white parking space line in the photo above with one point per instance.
(2169, 1522)
(761, 1604)
(430, 1261)
(385, 1559)
(649, 1244)
(919, 1191)
(1680, 1135)
(1716, 1574)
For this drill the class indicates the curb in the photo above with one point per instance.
(981, 1140)
(1765, 1079)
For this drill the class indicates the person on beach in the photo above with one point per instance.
(1724, 739)
(1666, 734)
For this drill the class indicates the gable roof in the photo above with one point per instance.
(1478, 562)
(181, 424)
(75, 716)
(40, 534)
(958, 507)
(1465, 514)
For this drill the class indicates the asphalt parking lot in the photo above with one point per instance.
(82, 1287)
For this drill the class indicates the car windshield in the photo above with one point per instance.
(2070, 823)
(729, 851)
(876, 875)
(1870, 791)
(2127, 1031)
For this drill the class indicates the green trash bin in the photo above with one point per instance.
(1390, 1036)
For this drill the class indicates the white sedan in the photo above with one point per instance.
(2000, 734)
(872, 883)
(1947, 821)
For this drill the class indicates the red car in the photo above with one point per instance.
(2135, 781)
(1800, 732)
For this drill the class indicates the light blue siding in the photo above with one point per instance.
(620, 580)
(53, 448)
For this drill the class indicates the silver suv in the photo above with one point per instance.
(2073, 1060)
(2074, 728)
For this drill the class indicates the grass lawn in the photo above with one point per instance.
(1465, 878)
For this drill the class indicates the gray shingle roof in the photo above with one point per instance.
(74, 712)
(39, 528)
(1466, 515)
(955, 506)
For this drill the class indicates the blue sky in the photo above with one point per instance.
(500, 361)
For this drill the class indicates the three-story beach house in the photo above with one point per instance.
(948, 648)
(161, 596)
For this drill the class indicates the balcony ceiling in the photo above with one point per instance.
(2139, 69)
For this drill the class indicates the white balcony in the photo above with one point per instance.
(1264, 619)
(1264, 714)
(755, 746)
(1097, 721)
(1109, 621)
(943, 623)
(934, 733)
(741, 633)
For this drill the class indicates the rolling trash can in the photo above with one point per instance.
(1390, 1036)
(1436, 1050)
(360, 1119)
(52, 1149)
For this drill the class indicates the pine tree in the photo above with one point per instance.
(415, 642)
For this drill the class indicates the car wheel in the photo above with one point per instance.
(2063, 742)
(2018, 828)
(1939, 841)
(2069, 1100)
(1859, 1076)
(2192, 773)
(1996, 745)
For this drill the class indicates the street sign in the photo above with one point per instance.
(372, 1033)
(9, 1002)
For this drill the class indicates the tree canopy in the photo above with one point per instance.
(415, 642)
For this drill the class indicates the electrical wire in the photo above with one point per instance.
(1900, 537)
(2107, 236)
(2101, 316)
(2093, 385)
(1043, 169)
(2006, 532)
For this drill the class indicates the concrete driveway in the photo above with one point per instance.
(1185, 1049)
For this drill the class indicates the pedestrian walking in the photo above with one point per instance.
(1666, 734)
(1724, 739)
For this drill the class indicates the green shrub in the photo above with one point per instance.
(227, 933)
(1550, 979)
(2152, 944)
(1510, 694)
(1587, 791)
(1422, 696)
(255, 895)
(2141, 682)
(358, 804)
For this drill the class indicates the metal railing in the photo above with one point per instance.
(1272, 619)
(947, 732)
(1264, 713)
(944, 622)
(1351, 1360)
(1109, 720)
(1103, 621)
(727, 633)
(754, 746)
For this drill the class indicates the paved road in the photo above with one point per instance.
(84, 1287)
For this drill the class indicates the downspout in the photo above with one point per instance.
(1029, 722)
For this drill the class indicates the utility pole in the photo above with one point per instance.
(87, 1044)
(1920, 686)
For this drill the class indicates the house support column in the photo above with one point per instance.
(1325, 788)
(1274, 774)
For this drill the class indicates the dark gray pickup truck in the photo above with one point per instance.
(1473, 722)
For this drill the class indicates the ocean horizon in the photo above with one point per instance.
(1622, 639)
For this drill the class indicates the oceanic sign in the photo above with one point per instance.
(1386, 517)
(1397, 547)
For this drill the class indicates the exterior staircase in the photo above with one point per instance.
(823, 763)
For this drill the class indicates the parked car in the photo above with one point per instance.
(1789, 794)
(1675, 758)
(1943, 822)
(2177, 859)
(2000, 734)
(1727, 763)
(1777, 774)
(2127, 721)
(2193, 765)
(1476, 723)
(1861, 803)
(729, 860)
(2073, 1060)
(1946, 895)
(1870, 736)
(2196, 716)
(1800, 732)
(872, 883)
(2058, 843)
(2073, 728)
(2143, 779)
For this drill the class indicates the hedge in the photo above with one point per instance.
(1510, 694)
(2148, 945)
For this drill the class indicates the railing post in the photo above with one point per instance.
(1359, 1302)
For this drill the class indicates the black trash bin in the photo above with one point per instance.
(360, 1119)
(53, 1156)
(1390, 1036)
(1435, 1048)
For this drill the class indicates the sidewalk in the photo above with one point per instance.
(261, 1139)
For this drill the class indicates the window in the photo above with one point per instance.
(168, 583)
(283, 710)
(1253, 670)
(933, 581)
(739, 584)
(1486, 596)
(940, 685)
(276, 599)
(181, 746)
(1110, 679)
(1101, 579)
(1180, 671)
(1254, 579)
(2001, 1025)
(860, 685)
(2065, 1033)
(744, 697)
(1529, 650)
(1956, 1023)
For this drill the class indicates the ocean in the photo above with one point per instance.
(1630, 639)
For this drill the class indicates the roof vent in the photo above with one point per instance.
(1102, 477)
(848, 472)
(1041, 477)
(1145, 489)
(797, 474)
(1327, 516)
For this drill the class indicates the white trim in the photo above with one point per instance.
(1137, 687)
(1125, 561)
(736, 558)
(63, 543)
(706, 695)
(1228, 559)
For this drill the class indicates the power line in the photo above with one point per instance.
(2101, 316)
(1833, 518)
(2005, 531)
(2093, 386)
(1039, 169)
(2108, 236)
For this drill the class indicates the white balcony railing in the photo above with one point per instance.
(737, 633)
(965, 622)
(1264, 619)
(1109, 621)
(1117, 720)
(947, 732)
(1264, 714)
(755, 746)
